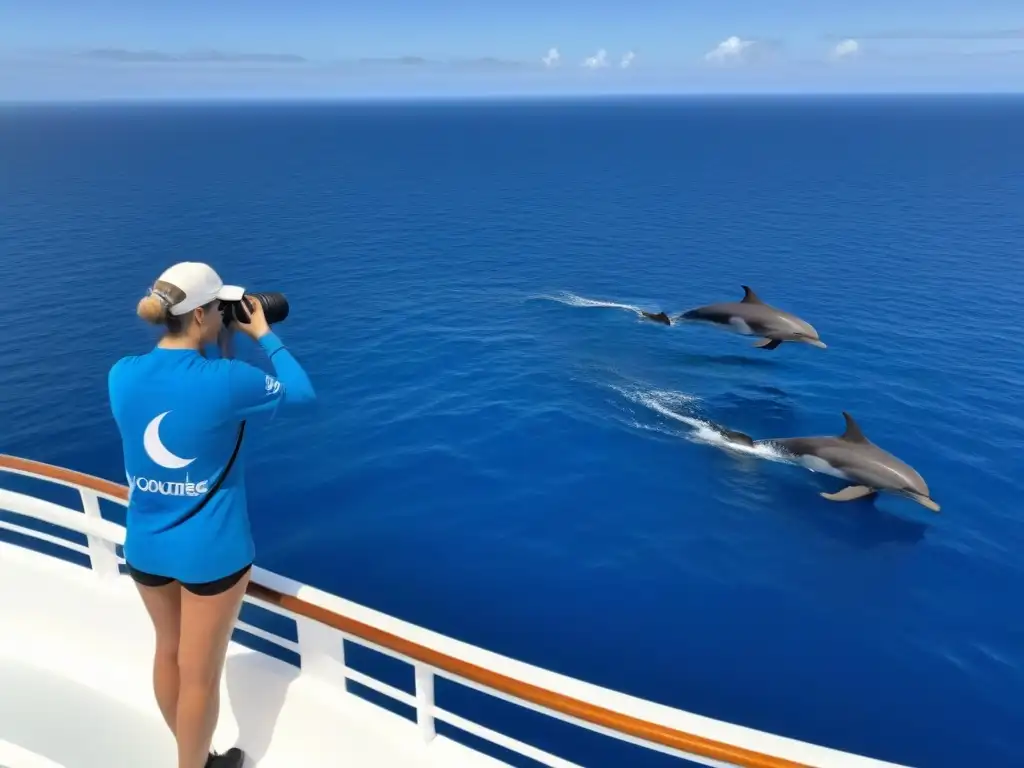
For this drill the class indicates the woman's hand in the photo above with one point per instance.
(257, 325)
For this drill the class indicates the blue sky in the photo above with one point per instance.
(60, 49)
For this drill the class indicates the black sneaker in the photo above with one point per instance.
(233, 758)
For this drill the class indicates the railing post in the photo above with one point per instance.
(321, 653)
(425, 701)
(102, 553)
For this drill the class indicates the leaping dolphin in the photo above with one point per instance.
(660, 317)
(853, 457)
(752, 317)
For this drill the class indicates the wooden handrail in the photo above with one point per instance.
(557, 702)
(527, 692)
(65, 476)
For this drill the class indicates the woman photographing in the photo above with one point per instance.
(181, 411)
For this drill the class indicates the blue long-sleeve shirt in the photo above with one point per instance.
(179, 413)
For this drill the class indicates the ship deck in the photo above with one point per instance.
(75, 671)
(75, 689)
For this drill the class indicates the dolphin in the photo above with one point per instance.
(660, 317)
(852, 457)
(752, 317)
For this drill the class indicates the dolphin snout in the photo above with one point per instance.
(817, 343)
(925, 501)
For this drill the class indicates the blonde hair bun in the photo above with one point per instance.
(152, 310)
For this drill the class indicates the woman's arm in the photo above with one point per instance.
(254, 392)
(299, 389)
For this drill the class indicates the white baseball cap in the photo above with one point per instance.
(197, 285)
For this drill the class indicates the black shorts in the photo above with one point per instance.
(203, 589)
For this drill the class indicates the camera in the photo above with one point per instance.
(275, 308)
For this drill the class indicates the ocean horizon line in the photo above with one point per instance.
(566, 97)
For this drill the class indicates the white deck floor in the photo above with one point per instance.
(75, 689)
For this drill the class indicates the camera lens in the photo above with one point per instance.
(275, 306)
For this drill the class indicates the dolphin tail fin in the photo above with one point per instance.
(850, 493)
(767, 343)
(660, 317)
(738, 437)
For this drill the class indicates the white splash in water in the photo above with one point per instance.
(572, 300)
(672, 405)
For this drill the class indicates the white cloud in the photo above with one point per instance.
(627, 60)
(597, 61)
(730, 49)
(552, 58)
(846, 49)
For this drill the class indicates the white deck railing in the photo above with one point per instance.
(324, 621)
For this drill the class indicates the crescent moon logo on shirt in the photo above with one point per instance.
(157, 451)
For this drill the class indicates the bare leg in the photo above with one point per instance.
(206, 624)
(164, 607)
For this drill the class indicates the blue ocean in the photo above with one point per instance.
(506, 453)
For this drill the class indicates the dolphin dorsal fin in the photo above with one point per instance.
(853, 433)
(749, 297)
